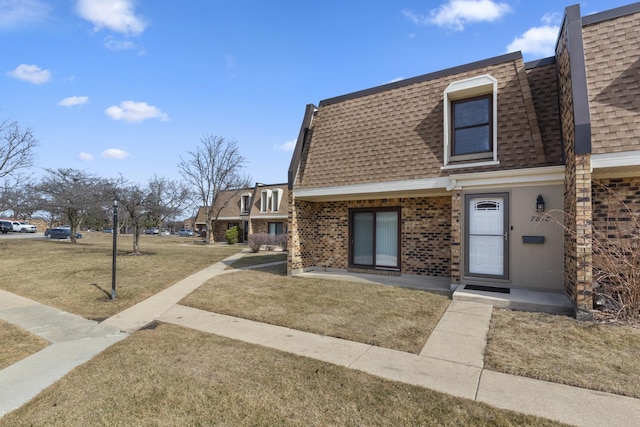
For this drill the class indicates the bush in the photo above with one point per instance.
(232, 235)
(257, 240)
(282, 240)
(269, 241)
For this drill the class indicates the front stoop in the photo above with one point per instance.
(518, 299)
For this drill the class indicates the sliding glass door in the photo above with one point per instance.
(374, 238)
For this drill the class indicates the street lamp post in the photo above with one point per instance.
(115, 244)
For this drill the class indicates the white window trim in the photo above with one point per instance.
(469, 88)
(277, 196)
(265, 200)
(244, 208)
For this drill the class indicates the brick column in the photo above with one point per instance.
(456, 236)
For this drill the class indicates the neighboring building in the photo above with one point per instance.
(442, 174)
(259, 209)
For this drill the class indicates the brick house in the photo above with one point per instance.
(259, 209)
(469, 173)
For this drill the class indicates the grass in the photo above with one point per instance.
(175, 376)
(385, 316)
(77, 278)
(17, 344)
(560, 349)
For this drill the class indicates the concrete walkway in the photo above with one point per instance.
(452, 360)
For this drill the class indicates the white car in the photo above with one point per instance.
(24, 227)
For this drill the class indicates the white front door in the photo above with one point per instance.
(487, 233)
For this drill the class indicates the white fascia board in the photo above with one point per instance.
(227, 218)
(280, 216)
(370, 190)
(511, 178)
(613, 160)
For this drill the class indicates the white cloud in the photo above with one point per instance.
(115, 15)
(30, 73)
(14, 13)
(85, 156)
(72, 101)
(131, 111)
(288, 146)
(114, 153)
(397, 79)
(114, 44)
(538, 41)
(456, 13)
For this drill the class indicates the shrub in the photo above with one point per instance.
(282, 240)
(256, 241)
(232, 235)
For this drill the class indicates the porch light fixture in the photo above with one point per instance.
(539, 203)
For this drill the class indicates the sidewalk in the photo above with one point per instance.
(451, 361)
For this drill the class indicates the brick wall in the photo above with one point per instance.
(577, 193)
(319, 234)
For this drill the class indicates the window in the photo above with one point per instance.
(471, 126)
(265, 200)
(374, 235)
(275, 228)
(245, 203)
(275, 200)
(230, 225)
(470, 123)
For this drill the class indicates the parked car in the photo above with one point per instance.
(62, 233)
(107, 230)
(185, 232)
(24, 227)
(151, 230)
(5, 227)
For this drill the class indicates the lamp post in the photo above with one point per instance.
(115, 244)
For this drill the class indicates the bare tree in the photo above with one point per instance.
(214, 167)
(16, 148)
(132, 199)
(71, 193)
(166, 199)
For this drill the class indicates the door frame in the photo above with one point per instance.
(506, 229)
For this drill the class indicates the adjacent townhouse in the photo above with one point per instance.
(483, 174)
(259, 209)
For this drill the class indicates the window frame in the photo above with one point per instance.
(467, 90)
(245, 207)
(375, 210)
(265, 200)
(476, 154)
(275, 224)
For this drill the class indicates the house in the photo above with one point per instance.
(482, 173)
(259, 209)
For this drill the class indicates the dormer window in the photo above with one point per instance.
(275, 200)
(471, 126)
(265, 200)
(245, 203)
(470, 123)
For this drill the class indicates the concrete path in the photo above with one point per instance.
(74, 341)
(452, 360)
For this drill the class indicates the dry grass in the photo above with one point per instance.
(77, 278)
(385, 316)
(174, 376)
(17, 344)
(560, 349)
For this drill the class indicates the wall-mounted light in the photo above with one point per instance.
(539, 203)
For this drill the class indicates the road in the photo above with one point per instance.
(22, 236)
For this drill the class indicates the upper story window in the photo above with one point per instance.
(470, 123)
(265, 200)
(245, 203)
(471, 126)
(275, 200)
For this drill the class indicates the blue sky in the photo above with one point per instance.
(124, 87)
